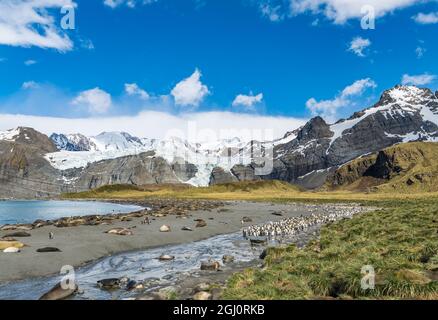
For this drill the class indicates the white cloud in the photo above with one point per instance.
(272, 12)
(129, 3)
(426, 18)
(328, 109)
(158, 125)
(29, 85)
(30, 62)
(96, 100)
(420, 51)
(190, 91)
(132, 89)
(340, 11)
(26, 23)
(247, 101)
(358, 45)
(418, 80)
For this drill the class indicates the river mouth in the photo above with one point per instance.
(144, 268)
(28, 211)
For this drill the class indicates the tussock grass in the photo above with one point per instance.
(400, 242)
(250, 190)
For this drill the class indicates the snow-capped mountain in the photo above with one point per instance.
(305, 156)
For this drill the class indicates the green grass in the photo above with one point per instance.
(399, 241)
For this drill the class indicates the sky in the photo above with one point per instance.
(150, 66)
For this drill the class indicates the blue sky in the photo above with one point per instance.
(285, 58)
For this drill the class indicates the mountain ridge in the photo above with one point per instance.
(305, 156)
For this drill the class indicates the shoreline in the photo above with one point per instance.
(84, 244)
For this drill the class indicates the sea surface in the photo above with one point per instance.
(16, 211)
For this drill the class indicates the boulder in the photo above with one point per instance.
(227, 259)
(210, 265)
(202, 295)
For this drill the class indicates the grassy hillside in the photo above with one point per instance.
(400, 242)
(404, 168)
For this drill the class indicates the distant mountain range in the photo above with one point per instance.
(34, 165)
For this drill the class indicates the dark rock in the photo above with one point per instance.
(109, 284)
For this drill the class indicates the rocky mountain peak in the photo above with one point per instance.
(316, 128)
(412, 95)
(29, 137)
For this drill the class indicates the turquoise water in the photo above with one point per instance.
(12, 212)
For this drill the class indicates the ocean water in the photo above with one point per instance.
(12, 212)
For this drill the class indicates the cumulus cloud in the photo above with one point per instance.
(247, 101)
(340, 11)
(190, 91)
(426, 18)
(96, 100)
(30, 62)
(420, 51)
(328, 109)
(129, 3)
(358, 45)
(26, 23)
(160, 125)
(132, 89)
(418, 80)
(272, 12)
(29, 85)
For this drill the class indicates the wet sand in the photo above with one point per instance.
(83, 244)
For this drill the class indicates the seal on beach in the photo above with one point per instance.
(164, 228)
(18, 234)
(186, 229)
(9, 244)
(48, 249)
(120, 232)
(59, 293)
(201, 223)
(11, 250)
(166, 257)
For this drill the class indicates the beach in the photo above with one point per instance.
(83, 244)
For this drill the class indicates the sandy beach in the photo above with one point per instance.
(82, 244)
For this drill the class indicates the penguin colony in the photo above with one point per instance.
(295, 225)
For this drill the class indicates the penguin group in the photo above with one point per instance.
(294, 225)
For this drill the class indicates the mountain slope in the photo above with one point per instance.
(402, 114)
(23, 170)
(407, 167)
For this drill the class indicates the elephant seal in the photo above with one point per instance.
(9, 244)
(58, 293)
(48, 249)
(166, 257)
(11, 250)
(186, 229)
(164, 228)
(201, 223)
(120, 232)
(18, 234)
